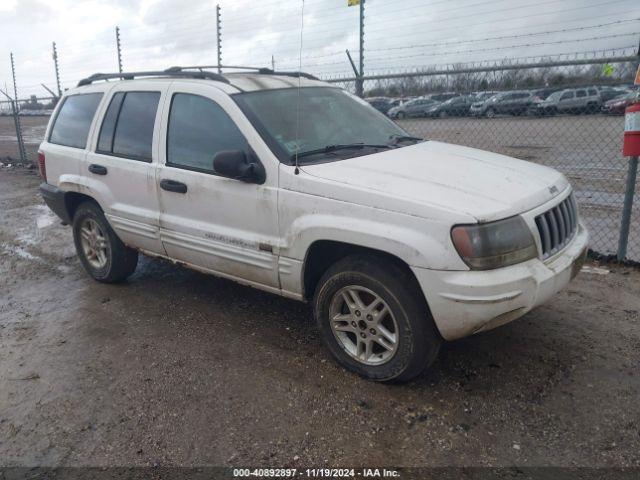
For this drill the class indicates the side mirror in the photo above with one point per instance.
(238, 165)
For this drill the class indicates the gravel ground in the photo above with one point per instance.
(178, 368)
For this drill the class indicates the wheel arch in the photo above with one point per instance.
(322, 254)
(72, 201)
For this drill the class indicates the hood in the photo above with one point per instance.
(434, 176)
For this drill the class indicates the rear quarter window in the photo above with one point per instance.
(73, 120)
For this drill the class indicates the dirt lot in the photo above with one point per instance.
(177, 368)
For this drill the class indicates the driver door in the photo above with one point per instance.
(218, 224)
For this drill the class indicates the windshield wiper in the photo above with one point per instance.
(395, 139)
(333, 148)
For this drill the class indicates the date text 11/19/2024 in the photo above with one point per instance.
(316, 473)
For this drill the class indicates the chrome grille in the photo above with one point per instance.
(557, 226)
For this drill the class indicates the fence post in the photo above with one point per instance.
(360, 79)
(119, 49)
(623, 241)
(16, 114)
(55, 62)
(219, 38)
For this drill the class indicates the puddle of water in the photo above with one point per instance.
(19, 252)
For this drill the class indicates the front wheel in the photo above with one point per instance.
(490, 113)
(101, 252)
(374, 319)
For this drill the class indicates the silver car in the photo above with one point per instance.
(575, 100)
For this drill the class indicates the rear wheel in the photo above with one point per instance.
(374, 319)
(490, 113)
(101, 252)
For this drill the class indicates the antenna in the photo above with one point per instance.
(297, 169)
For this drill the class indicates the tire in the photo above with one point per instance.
(112, 263)
(490, 113)
(400, 115)
(442, 114)
(382, 286)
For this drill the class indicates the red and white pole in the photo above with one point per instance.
(631, 149)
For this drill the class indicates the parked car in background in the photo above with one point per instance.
(442, 97)
(539, 96)
(616, 106)
(396, 102)
(382, 104)
(543, 93)
(579, 100)
(454, 107)
(483, 96)
(609, 93)
(506, 103)
(548, 106)
(412, 108)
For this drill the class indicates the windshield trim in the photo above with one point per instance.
(276, 148)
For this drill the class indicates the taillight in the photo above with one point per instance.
(42, 168)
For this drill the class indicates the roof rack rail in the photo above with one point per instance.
(260, 70)
(169, 72)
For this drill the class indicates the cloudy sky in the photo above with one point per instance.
(399, 34)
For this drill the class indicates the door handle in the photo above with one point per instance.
(173, 186)
(97, 169)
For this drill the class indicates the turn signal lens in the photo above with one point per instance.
(485, 246)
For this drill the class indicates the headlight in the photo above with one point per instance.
(485, 246)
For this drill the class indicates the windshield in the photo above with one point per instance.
(328, 117)
(555, 95)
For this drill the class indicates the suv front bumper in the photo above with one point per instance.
(466, 302)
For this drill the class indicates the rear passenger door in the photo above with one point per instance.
(121, 166)
(219, 224)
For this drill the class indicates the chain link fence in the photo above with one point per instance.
(572, 135)
(22, 126)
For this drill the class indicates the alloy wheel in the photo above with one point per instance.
(94, 243)
(364, 325)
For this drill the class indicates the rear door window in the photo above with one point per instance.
(127, 128)
(105, 140)
(73, 121)
(592, 91)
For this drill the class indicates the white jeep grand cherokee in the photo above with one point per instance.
(294, 186)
